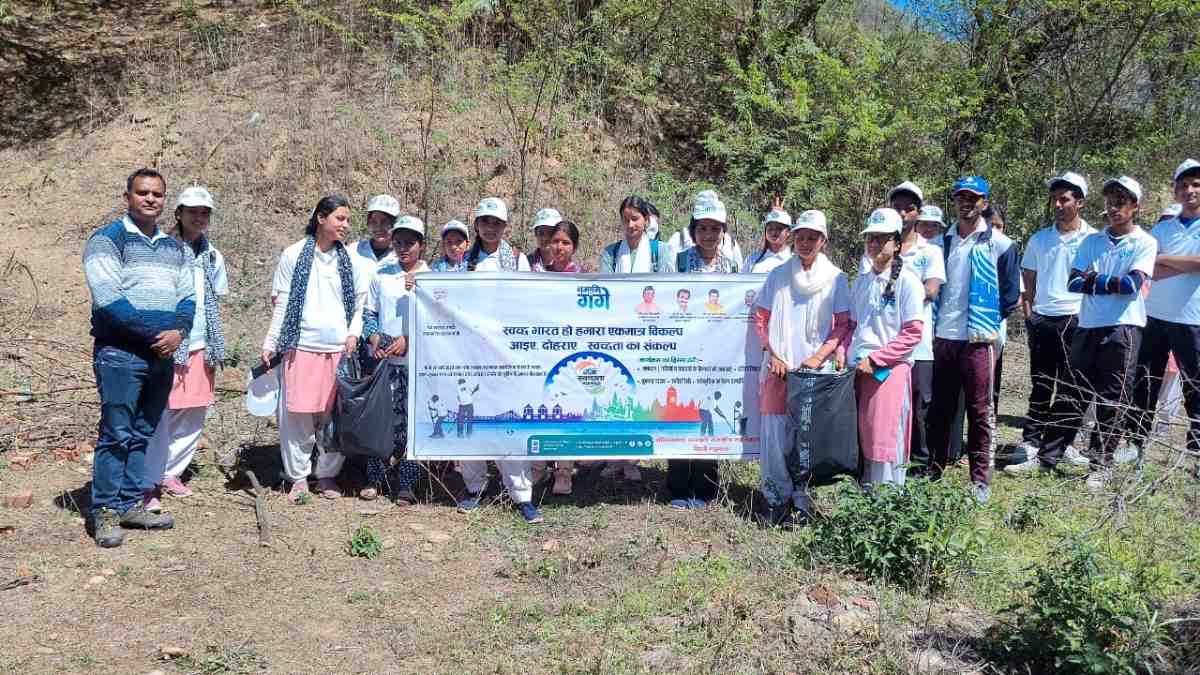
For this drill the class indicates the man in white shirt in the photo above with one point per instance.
(1109, 271)
(963, 363)
(1051, 311)
(1173, 308)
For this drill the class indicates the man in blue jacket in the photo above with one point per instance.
(983, 284)
(142, 306)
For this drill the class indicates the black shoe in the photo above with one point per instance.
(776, 516)
(107, 531)
(142, 519)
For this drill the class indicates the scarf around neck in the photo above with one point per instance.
(633, 261)
(817, 282)
(506, 258)
(290, 331)
(214, 334)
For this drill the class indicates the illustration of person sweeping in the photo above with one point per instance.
(707, 408)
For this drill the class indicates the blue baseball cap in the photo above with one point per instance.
(976, 184)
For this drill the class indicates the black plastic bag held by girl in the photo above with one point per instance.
(823, 420)
(362, 412)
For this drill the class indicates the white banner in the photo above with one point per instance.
(583, 366)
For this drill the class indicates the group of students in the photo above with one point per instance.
(921, 325)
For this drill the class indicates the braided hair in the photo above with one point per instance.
(889, 291)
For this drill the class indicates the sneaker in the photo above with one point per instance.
(1099, 479)
(1075, 457)
(530, 513)
(632, 472)
(470, 502)
(328, 488)
(1023, 453)
(1024, 468)
(107, 530)
(299, 493)
(681, 504)
(175, 487)
(982, 492)
(152, 504)
(562, 483)
(142, 519)
(1127, 453)
(698, 504)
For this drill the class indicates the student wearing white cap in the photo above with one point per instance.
(707, 229)
(931, 223)
(775, 250)
(385, 329)
(490, 252)
(317, 318)
(198, 358)
(453, 245)
(1051, 318)
(1109, 270)
(887, 312)
(376, 250)
(545, 228)
(1173, 308)
(682, 241)
(924, 260)
(802, 316)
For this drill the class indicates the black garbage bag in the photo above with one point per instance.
(362, 417)
(823, 419)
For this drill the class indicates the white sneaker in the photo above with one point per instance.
(1023, 468)
(1074, 456)
(1029, 449)
(1099, 479)
(1128, 452)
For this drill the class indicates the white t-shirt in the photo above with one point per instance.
(956, 292)
(761, 263)
(801, 346)
(388, 298)
(198, 338)
(490, 262)
(323, 327)
(365, 252)
(925, 261)
(1098, 253)
(465, 395)
(879, 322)
(1176, 299)
(1050, 254)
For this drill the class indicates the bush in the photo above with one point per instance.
(1081, 617)
(365, 543)
(915, 536)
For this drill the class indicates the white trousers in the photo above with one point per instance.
(297, 436)
(775, 445)
(515, 473)
(883, 472)
(174, 442)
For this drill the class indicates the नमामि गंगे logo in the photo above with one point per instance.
(593, 297)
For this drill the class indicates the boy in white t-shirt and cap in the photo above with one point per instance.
(1051, 317)
(1109, 270)
(1173, 308)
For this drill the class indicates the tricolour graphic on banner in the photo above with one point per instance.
(559, 366)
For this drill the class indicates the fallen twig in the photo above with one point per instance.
(260, 510)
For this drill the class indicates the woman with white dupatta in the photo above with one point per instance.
(803, 317)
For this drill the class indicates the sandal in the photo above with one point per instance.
(327, 487)
(299, 492)
(369, 494)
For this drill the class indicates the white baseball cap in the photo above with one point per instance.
(932, 214)
(491, 206)
(1185, 166)
(778, 216)
(1070, 178)
(1132, 186)
(652, 227)
(884, 221)
(456, 226)
(384, 204)
(410, 223)
(709, 207)
(812, 219)
(906, 186)
(262, 393)
(547, 218)
(1171, 211)
(194, 196)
